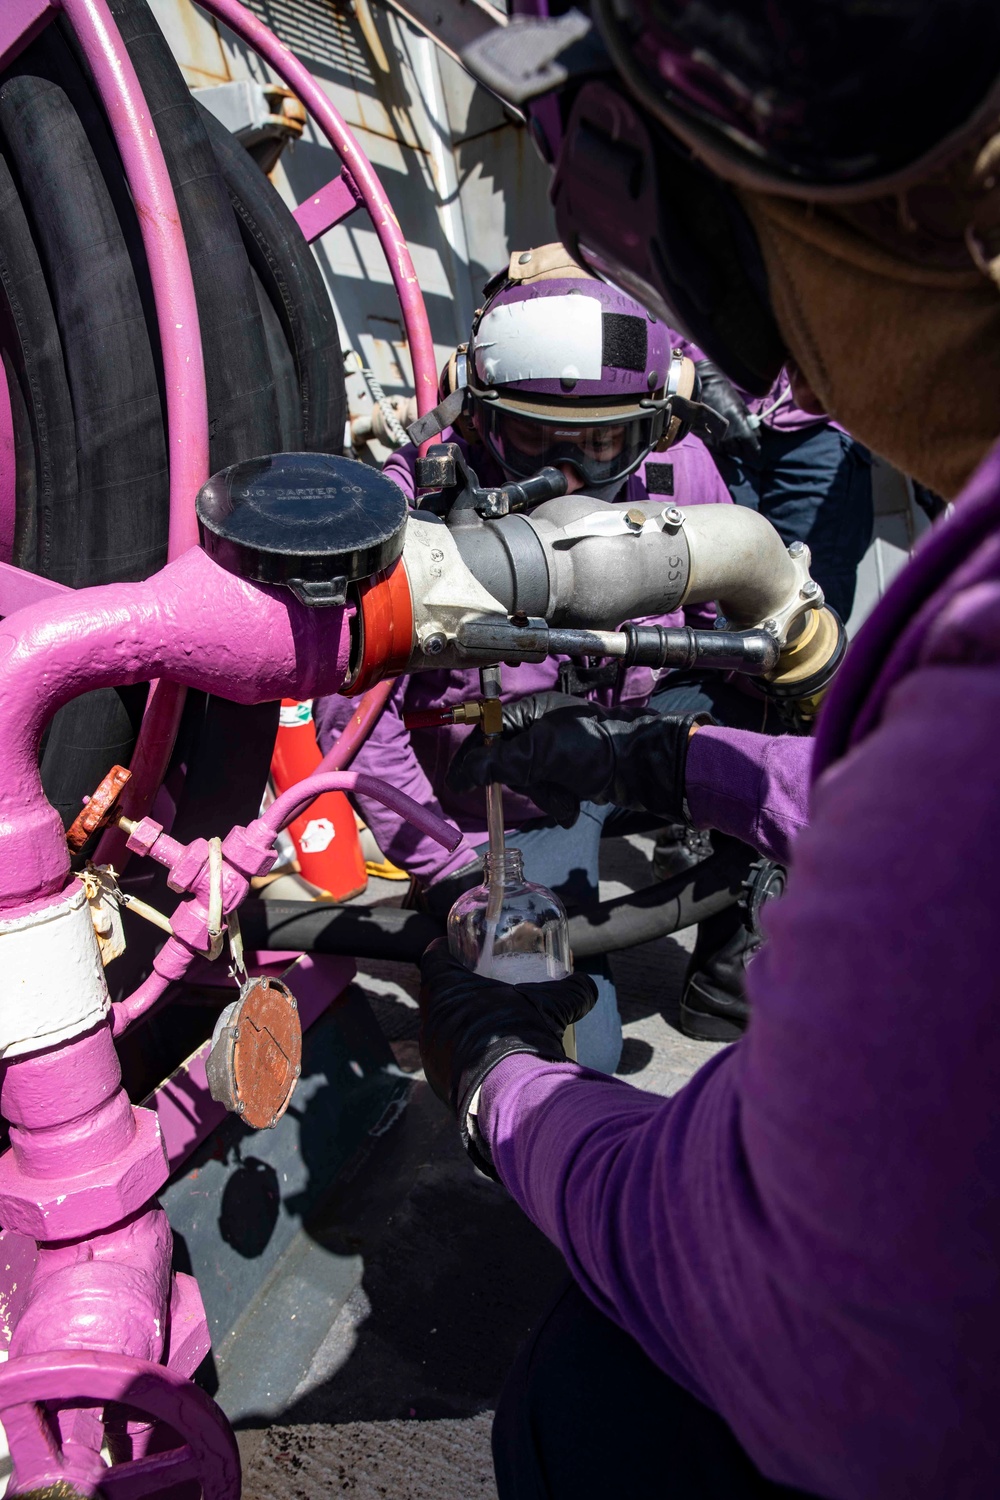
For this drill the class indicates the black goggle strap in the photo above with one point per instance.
(689, 416)
(433, 423)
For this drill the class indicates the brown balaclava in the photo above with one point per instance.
(891, 309)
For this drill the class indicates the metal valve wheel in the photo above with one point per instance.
(52, 1407)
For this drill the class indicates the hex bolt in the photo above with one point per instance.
(293, 1002)
(796, 549)
(272, 1122)
(634, 520)
(771, 626)
(434, 643)
(236, 1033)
(298, 1070)
(809, 589)
(241, 1108)
(721, 623)
(673, 515)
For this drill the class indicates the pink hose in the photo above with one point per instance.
(291, 803)
(8, 472)
(360, 726)
(335, 128)
(180, 344)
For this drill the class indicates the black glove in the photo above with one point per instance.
(740, 439)
(562, 752)
(469, 1023)
(438, 898)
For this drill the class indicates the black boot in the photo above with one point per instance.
(713, 1006)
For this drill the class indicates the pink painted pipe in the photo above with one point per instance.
(180, 344)
(192, 623)
(77, 1178)
(335, 128)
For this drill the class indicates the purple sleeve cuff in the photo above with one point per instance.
(752, 786)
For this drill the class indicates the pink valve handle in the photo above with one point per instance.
(75, 1385)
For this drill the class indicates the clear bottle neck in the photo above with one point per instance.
(509, 869)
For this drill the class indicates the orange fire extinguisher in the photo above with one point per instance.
(325, 835)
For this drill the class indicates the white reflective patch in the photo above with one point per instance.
(550, 338)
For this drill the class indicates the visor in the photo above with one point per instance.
(526, 439)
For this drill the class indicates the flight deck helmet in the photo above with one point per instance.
(565, 369)
(649, 109)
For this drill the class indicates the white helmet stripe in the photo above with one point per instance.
(548, 338)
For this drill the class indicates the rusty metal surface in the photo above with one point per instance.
(256, 1060)
(98, 811)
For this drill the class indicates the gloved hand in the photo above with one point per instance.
(469, 1023)
(740, 439)
(561, 752)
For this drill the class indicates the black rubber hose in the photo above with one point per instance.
(243, 419)
(44, 430)
(115, 526)
(387, 932)
(293, 282)
(109, 521)
(283, 373)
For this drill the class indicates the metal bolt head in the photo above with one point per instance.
(796, 549)
(771, 626)
(434, 644)
(673, 515)
(809, 589)
(721, 623)
(241, 1108)
(297, 1070)
(236, 1033)
(272, 1122)
(634, 520)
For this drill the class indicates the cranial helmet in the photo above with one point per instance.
(563, 368)
(649, 109)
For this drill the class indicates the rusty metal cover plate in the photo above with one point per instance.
(256, 1056)
(99, 809)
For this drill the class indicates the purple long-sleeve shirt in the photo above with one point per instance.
(417, 762)
(807, 1236)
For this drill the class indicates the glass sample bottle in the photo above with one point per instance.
(508, 928)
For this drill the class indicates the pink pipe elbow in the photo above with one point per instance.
(192, 623)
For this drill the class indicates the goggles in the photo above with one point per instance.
(524, 441)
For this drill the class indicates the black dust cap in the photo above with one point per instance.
(311, 521)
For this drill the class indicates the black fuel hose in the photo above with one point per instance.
(387, 932)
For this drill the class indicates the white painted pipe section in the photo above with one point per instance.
(53, 977)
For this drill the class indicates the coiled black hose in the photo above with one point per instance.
(387, 932)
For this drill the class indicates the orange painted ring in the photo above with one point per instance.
(385, 624)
